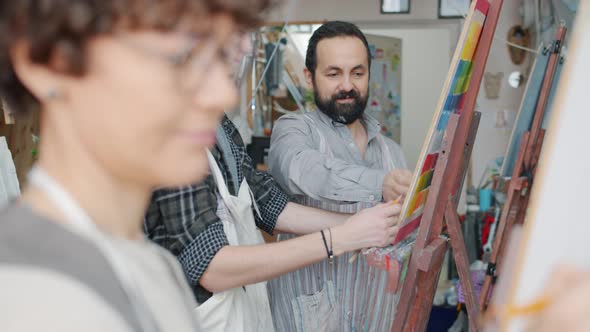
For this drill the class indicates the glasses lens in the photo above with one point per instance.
(235, 58)
(194, 72)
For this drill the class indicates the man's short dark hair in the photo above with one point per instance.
(332, 29)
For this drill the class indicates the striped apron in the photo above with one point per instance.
(338, 296)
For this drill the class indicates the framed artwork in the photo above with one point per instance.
(395, 6)
(385, 84)
(453, 8)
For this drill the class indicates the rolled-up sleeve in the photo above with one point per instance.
(197, 256)
(301, 169)
(184, 221)
(270, 199)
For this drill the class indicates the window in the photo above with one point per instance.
(453, 8)
(395, 6)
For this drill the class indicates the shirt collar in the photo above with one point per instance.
(372, 126)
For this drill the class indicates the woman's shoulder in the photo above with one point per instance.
(50, 265)
(38, 299)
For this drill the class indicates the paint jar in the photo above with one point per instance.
(485, 199)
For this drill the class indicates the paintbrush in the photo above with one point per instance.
(494, 314)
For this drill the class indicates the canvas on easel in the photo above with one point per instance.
(450, 102)
(556, 227)
(526, 111)
(440, 225)
(528, 107)
(395, 257)
(458, 94)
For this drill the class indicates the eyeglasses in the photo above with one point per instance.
(194, 63)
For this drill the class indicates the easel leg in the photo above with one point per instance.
(537, 152)
(428, 267)
(508, 212)
(523, 203)
(506, 220)
(462, 262)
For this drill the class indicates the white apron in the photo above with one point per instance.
(240, 309)
(80, 222)
(342, 296)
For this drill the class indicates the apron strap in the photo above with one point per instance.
(324, 148)
(254, 202)
(388, 163)
(230, 160)
(221, 186)
(387, 158)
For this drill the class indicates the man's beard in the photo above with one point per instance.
(345, 113)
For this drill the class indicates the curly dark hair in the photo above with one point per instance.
(64, 26)
(329, 30)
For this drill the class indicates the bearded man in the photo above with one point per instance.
(335, 158)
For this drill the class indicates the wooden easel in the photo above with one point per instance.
(520, 184)
(555, 229)
(425, 264)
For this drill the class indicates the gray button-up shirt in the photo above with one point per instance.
(298, 165)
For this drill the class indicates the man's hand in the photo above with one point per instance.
(396, 183)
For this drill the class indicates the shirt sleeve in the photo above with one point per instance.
(270, 198)
(185, 221)
(301, 169)
(197, 256)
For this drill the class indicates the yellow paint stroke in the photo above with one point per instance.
(471, 41)
(418, 201)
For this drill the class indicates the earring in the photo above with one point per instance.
(52, 94)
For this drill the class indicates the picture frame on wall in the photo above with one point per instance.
(395, 6)
(453, 9)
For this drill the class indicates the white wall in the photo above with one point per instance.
(425, 61)
(351, 10)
